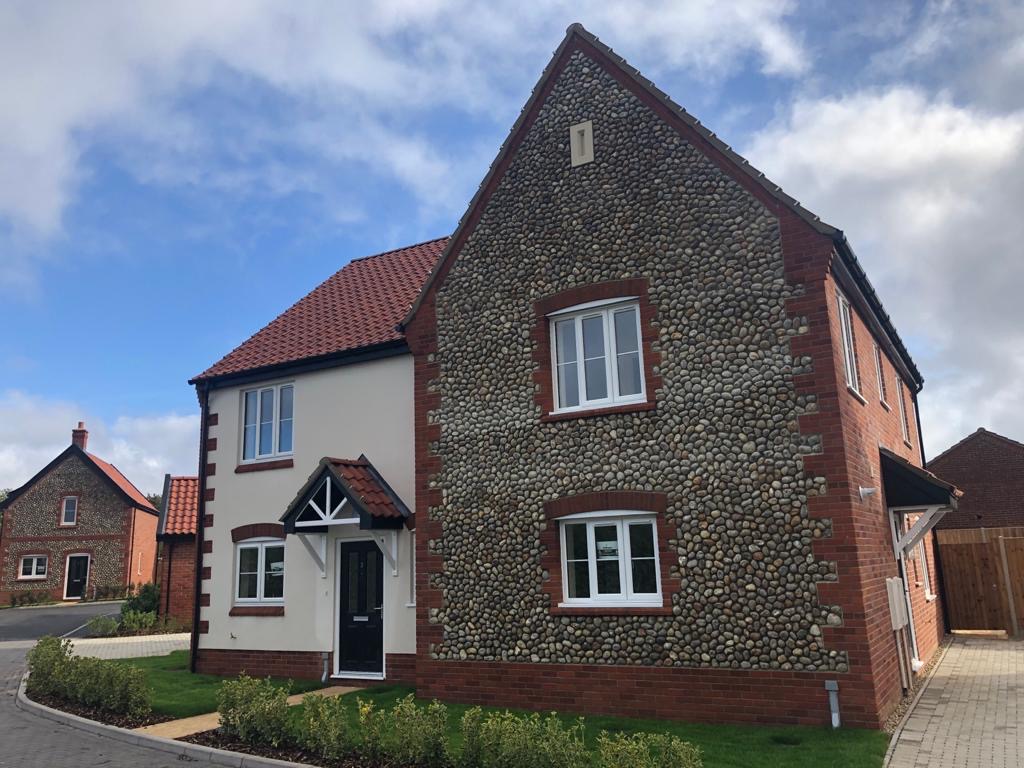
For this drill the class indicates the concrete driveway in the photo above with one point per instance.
(970, 714)
(34, 622)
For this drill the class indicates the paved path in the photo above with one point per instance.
(27, 741)
(131, 647)
(969, 716)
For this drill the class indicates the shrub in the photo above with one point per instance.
(514, 741)
(324, 729)
(646, 750)
(145, 600)
(48, 662)
(103, 626)
(255, 711)
(472, 745)
(30, 597)
(137, 622)
(104, 685)
(419, 734)
(373, 724)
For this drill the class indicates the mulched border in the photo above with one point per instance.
(919, 679)
(99, 715)
(219, 740)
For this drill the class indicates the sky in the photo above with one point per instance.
(174, 175)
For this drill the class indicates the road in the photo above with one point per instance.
(33, 623)
(27, 741)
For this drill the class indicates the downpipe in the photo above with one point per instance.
(326, 659)
(832, 686)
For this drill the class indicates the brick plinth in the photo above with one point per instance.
(299, 665)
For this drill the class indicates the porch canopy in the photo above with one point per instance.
(347, 492)
(911, 489)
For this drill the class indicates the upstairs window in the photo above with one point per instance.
(260, 574)
(904, 424)
(33, 567)
(609, 559)
(849, 351)
(883, 395)
(597, 359)
(267, 422)
(69, 510)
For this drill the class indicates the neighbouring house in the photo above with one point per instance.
(990, 470)
(981, 544)
(645, 427)
(77, 530)
(176, 532)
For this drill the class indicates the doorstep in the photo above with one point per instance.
(188, 726)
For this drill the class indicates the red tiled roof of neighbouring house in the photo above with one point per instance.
(123, 483)
(369, 488)
(359, 306)
(181, 506)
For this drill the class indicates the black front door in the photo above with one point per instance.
(78, 575)
(361, 623)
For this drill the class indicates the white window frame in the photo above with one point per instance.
(926, 577)
(275, 422)
(605, 309)
(904, 424)
(848, 339)
(260, 544)
(880, 374)
(36, 576)
(64, 512)
(627, 598)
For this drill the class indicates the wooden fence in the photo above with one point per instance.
(983, 577)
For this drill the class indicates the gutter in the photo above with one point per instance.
(203, 393)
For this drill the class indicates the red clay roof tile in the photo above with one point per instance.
(182, 506)
(361, 479)
(358, 306)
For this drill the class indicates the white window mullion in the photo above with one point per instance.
(612, 361)
(592, 561)
(581, 362)
(625, 586)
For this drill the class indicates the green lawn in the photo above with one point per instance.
(177, 693)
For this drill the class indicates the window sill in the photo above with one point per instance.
(583, 414)
(263, 466)
(856, 394)
(885, 405)
(31, 578)
(67, 525)
(256, 610)
(564, 609)
(908, 444)
(410, 605)
(930, 598)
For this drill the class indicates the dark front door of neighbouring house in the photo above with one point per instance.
(361, 622)
(78, 576)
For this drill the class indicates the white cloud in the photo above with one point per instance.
(928, 191)
(74, 75)
(33, 430)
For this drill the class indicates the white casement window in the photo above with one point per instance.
(904, 424)
(849, 352)
(268, 415)
(69, 510)
(926, 577)
(33, 567)
(883, 395)
(596, 356)
(259, 567)
(610, 559)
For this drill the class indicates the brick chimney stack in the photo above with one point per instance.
(80, 436)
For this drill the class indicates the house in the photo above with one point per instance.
(990, 470)
(176, 532)
(645, 426)
(77, 530)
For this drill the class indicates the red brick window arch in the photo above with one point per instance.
(594, 350)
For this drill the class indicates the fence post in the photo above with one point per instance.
(1009, 586)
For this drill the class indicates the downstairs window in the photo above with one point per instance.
(260, 571)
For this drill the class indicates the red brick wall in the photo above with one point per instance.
(177, 573)
(400, 668)
(989, 469)
(142, 559)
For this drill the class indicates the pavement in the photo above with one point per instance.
(969, 716)
(28, 741)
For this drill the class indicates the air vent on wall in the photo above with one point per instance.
(581, 143)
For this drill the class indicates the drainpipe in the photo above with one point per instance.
(326, 657)
(203, 392)
(832, 686)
